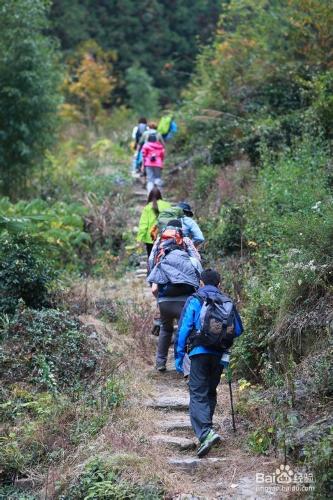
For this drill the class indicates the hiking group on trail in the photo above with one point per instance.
(208, 321)
(149, 146)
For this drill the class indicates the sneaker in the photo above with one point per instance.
(160, 368)
(209, 441)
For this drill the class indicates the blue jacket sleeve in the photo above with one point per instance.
(192, 230)
(238, 324)
(197, 235)
(186, 325)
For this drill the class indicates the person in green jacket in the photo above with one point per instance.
(155, 205)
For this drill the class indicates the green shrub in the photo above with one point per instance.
(319, 459)
(52, 350)
(204, 180)
(58, 226)
(260, 441)
(289, 233)
(12, 493)
(102, 480)
(224, 233)
(25, 274)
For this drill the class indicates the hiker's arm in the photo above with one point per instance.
(144, 151)
(197, 235)
(160, 139)
(152, 257)
(143, 225)
(191, 249)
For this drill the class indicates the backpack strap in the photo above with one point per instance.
(200, 297)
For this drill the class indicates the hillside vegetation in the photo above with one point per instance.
(254, 157)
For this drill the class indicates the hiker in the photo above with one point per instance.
(208, 325)
(188, 244)
(138, 130)
(149, 132)
(190, 227)
(153, 153)
(174, 278)
(167, 127)
(155, 204)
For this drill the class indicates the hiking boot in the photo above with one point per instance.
(160, 368)
(209, 441)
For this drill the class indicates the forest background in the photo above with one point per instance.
(252, 85)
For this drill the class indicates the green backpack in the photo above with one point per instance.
(168, 214)
(164, 125)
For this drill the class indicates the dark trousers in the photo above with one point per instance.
(205, 376)
(169, 312)
(149, 247)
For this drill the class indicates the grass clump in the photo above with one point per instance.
(101, 479)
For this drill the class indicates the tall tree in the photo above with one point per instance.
(143, 97)
(29, 79)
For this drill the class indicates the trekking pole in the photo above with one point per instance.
(229, 377)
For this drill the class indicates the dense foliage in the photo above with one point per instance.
(24, 274)
(29, 95)
(51, 349)
(266, 76)
(162, 37)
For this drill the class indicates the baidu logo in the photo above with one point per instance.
(285, 479)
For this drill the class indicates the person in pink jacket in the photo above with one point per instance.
(153, 153)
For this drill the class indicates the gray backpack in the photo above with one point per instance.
(217, 318)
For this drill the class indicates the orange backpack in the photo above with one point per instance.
(170, 240)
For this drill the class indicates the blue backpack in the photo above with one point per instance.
(172, 131)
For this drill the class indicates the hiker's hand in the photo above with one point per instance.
(154, 289)
(179, 365)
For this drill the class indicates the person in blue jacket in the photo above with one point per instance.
(206, 367)
(190, 227)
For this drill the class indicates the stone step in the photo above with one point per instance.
(175, 403)
(175, 423)
(141, 273)
(190, 464)
(140, 194)
(180, 443)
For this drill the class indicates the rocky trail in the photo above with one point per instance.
(229, 471)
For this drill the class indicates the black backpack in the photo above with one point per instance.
(217, 323)
(152, 137)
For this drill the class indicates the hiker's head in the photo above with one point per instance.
(154, 195)
(143, 120)
(174, 223)
(152, 125)
(186, 208)
(210, 277)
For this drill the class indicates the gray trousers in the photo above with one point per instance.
(169, 312)
(154, 178)
(205, 375)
